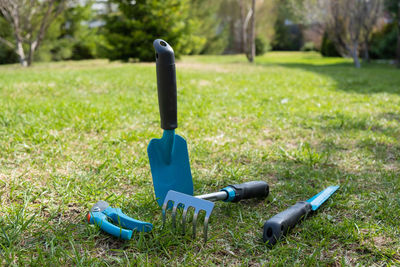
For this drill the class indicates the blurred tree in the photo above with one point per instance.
(131, 30)
(206, 27)
(393, 6)
(238, 18)
(30, 20)
(232, 22)
(348, 22)
(398, 33)
(266, 17)
(288, 35)
(251, 40)
(73, 36)
(371, 10)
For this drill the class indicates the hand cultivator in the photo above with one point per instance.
(232, 193)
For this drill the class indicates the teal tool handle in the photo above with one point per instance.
(166, 84)
(127, 222)
(102, 213)
(280, 224)
(253, 189)
(100, 219)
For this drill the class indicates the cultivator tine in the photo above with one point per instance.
(164, 210)
(194, 224)
(206, 219)
(185, 210)
(187, 201)
(174, 214)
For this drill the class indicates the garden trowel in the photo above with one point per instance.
(168, 156)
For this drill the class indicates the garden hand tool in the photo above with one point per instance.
(101, 212)
(231, 193)
(168, 156)
(281, 223)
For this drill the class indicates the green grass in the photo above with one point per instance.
(72, 133)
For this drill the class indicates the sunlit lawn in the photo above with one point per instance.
(72, 133)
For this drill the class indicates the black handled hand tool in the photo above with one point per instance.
(168, 156)
(281, 223)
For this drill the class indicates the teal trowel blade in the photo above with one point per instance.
(170, 166)
(322, 196)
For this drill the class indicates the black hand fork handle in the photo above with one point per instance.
(166, 84)
(237, 192)
(253, 189)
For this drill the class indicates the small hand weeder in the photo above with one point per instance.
(231, 193)
(281, 223)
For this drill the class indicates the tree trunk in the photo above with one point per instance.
(20, 52)
(366, 52)
(398, 36)
(243, 27)
(354, 54)
(245, 35)
(231, 45)
(398, 47)
(32, 48)
(252, 53)
(30, 58)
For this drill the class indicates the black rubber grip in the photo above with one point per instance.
(166, 84)
(280, 224)
(253, 189)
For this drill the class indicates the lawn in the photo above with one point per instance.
(72, 133)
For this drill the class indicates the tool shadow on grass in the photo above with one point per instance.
(369, 79)
(376, 138)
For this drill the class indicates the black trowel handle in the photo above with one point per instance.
(166, 84)
(281, 223)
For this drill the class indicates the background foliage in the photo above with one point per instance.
(125, 29)
(131, 31)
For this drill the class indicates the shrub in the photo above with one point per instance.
(261, 46)
(328, 48)
(383, 43)
(131, 31)
(309, 46)
(7, 55)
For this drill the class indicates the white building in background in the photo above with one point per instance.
(102, 7)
